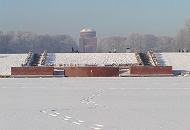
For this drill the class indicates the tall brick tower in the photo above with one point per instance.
(87, 41)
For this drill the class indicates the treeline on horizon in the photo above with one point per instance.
(23, 42)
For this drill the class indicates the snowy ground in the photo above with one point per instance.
(179, 61)
(95, 104)
(10, 60)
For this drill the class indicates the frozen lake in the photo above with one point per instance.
(95, 104)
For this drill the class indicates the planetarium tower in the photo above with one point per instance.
(88, 41)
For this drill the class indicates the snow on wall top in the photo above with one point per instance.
(179, 61)
(10, 60)
(99, 59)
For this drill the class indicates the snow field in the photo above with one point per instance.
(126, 103)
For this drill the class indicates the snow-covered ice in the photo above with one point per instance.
(131, 104)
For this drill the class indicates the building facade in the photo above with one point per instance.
(87, 41)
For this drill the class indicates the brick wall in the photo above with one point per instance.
(151, 70)
(32, 71)
(91, 71)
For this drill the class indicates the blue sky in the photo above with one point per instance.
(108, 17)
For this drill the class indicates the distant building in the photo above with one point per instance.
(87, 41)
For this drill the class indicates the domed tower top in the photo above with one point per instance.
(87, 32)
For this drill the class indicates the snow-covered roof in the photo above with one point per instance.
(10, 60)
(99, 59)
(179, 61)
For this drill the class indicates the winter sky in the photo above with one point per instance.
(108, 17)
